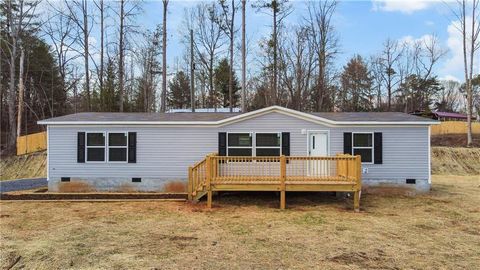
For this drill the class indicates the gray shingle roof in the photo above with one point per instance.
(141, 117)
(370, 117)
(92, 117)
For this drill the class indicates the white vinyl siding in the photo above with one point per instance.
(165, 152)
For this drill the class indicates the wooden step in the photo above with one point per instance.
(199, 195)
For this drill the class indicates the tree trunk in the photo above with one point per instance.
(164, 58)
(230, 75)
(12, 97)
(273, 97)
(21, 90)
(121, 65)
(467, 79)
(86, 53)
(100, 75)
(470, 86)
(244, 105)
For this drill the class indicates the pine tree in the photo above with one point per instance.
(356, 93)
(179, 94)
(222, 75)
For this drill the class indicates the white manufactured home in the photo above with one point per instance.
(149, 151)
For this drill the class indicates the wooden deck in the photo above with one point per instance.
(341, 173)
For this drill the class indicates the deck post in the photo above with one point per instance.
(358, 185)
(208, 176)
(283, 176)
(190, 183)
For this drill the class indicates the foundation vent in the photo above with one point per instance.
(411, 181)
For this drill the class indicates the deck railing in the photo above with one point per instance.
(268, 170)
(197, 175)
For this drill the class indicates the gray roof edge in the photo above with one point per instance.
(341, 118)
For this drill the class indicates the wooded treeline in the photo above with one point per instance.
(60, 57)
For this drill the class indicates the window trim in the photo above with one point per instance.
(364, 147)
(240, 147)
(254, 142)
(279, 147)
(104, 146)
(107, 157)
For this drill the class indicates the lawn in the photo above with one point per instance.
(440, 230)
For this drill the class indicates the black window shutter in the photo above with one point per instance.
(286, 143)
(81, 147)
(347, 143)
(222, 143)
(378, 148)
(132, 147)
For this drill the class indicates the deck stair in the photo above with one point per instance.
(341, 173)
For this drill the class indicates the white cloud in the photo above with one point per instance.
(449, 77)
(429, 23)
(404, 6)
(410, 40)
(454, 63)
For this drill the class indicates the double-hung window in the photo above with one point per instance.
(363, 145)
(239, 144)
(95, 147)
(267, 144)
(117, 147)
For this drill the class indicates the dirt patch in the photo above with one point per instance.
(459, 161)
(91, 196)
(26, 166)
(373, 260)
(126, 188)
(454, 140)
(389, 190)
(175, 186)
(75, 186)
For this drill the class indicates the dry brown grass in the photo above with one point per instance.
(26, 166)
(458, 161)
(440, 230)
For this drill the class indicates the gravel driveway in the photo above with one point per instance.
(22, 184)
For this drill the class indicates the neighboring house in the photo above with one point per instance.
(443, 116)
(147, 151)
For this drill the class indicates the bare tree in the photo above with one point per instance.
(121, 55)
(19, 19)
(21, 90)
(227, 24)
(278, 10)
(59, 29)
(447, 99)
(391, 54)
(208, 40)
(297, 64)
(244, 105)
(470, 31)
(79, 14)
(164, 58)
(326, 46)
(127, 12)
(100, 71)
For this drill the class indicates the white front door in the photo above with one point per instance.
(318, 147)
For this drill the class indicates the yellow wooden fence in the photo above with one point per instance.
(31, 143)
(454, 127)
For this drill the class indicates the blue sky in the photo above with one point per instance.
(362, 27)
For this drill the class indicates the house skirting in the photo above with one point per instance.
(107, 184)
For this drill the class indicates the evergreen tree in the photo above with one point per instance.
(179, 94)
(110, 97)
(222, 82)
(416, 93)
(356, 93)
